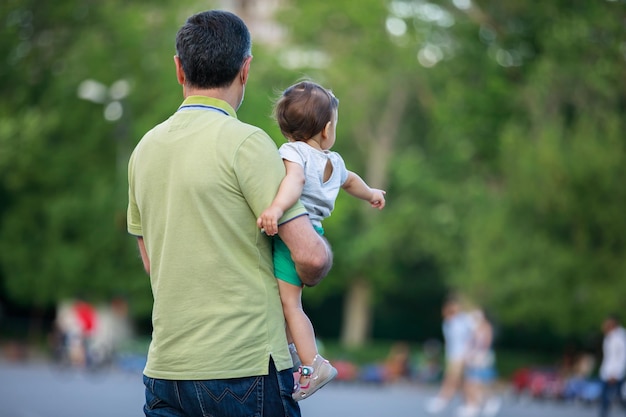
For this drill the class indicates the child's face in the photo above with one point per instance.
(329, 141)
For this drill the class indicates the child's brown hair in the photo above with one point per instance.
(304, 109)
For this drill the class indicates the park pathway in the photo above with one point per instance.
(39, 390)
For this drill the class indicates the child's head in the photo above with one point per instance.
(304, 110)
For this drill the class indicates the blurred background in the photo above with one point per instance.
(497, 129)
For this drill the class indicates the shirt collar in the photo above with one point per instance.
(218, 104)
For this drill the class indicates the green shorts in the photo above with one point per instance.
(284, 267)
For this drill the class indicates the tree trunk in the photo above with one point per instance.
(357, 317)
(356, 324)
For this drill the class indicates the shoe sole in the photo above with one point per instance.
(297, 395)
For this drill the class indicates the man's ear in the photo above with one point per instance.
(245, 70)
(180, 74)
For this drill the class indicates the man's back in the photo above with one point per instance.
(198, 190)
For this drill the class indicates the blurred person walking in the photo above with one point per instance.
(75, 324)
(197, 184)
(113, 331)
(457, 334)
(613, 366)
(480, 370)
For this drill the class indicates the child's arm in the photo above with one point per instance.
(355, 186)
(288, 193)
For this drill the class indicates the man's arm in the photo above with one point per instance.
(144, 254)
(310, 251)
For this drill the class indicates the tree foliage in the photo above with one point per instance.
(62, 183)
(496, 128)
(504, 175)
(548, 245)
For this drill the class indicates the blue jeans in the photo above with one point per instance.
(256, 396)
(610, 392)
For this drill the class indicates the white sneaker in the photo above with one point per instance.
(436, 405)
(492, 407)
(468, 411)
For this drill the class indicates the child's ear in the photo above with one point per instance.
(326, 130)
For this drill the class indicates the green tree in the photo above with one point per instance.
(457, 108)
(495, 127)
(62, 164)
(548, 246)
(382, 133)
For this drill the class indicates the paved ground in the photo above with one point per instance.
(38, 390)
(395, 401)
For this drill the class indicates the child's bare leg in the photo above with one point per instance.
(299, 327)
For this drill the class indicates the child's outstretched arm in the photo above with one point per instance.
(356, 187)
(288, 193)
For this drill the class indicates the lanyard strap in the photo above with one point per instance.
(203, 107)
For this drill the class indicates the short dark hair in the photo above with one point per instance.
(212, 46)
(304, 109)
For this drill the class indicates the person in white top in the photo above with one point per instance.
(457, 333)
(307, 116)
(480, 372)
(613, 367)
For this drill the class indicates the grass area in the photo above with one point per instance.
(374, 352)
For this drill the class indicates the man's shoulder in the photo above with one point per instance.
(244, 127)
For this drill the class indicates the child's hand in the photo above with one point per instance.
(268, 221)
(378, 199)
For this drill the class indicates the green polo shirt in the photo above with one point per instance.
(197, 183)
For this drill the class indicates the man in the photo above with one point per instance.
(197, 183)
(613, 367)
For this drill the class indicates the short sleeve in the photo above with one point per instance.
(341, 166)
(260, 170)
(133, 217)
(290, 152)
